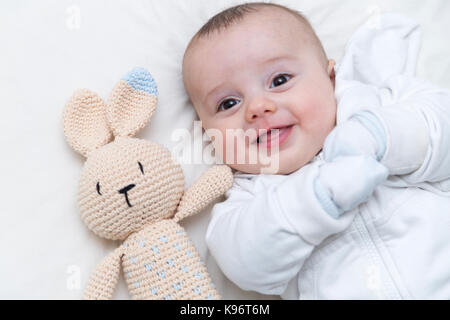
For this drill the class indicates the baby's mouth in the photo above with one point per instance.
(274, 136)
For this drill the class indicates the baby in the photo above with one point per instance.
(356, 210)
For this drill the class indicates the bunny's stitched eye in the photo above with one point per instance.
(141, 167)
(98, 188)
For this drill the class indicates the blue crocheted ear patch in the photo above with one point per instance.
(140, 79)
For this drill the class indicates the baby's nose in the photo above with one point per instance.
(259, 108)
(127, 188)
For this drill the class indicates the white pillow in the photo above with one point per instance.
(49, 49)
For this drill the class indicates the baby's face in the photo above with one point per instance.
(262, 73)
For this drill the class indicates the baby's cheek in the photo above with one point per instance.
(219, 143)
(235, 147)
(311, 113)
(225, 146)
(232, 146)
(319, 110)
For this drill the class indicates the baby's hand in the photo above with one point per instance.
(346, 182)
(361, 134)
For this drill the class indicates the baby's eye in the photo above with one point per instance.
(227, 104)
(279, 80)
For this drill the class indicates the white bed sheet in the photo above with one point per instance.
(50, 48)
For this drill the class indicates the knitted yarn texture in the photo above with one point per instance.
(133, 190)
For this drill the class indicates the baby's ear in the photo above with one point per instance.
(132, 102)
(84, 122)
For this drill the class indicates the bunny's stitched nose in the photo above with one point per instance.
(127, 188)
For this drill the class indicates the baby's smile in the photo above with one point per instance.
(274, 136)
(259, 75)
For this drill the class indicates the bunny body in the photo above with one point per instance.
(160, 262)
(132, 189)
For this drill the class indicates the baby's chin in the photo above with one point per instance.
(282, 165)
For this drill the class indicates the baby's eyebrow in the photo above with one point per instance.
(211, 92)
(286, 58)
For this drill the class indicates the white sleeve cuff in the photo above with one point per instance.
(406, 138)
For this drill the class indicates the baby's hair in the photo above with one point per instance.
(229, 16)
(232, 15)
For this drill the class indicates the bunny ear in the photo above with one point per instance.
(84, 122)
(132, 102)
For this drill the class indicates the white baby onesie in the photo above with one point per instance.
(273, 235)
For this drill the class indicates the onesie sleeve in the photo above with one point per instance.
(260, 237)
(417, 127)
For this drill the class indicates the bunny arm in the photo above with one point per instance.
(213, 183)
(103, 280)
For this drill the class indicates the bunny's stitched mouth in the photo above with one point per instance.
(125, 192)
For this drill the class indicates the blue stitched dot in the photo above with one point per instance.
(161, 274)
(189, 254)
(142, 243)
(184, 268)
(137, 284)
(163, 239)
(169, 297)
(197, 290)
(209, 297)
(155, 249)
(171, 262)
(177, 286)
(177, 246)
(132, 259)
(154, 291)
(148, 267)
(198, 275)
(212, 284)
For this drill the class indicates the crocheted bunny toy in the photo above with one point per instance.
(132, 189)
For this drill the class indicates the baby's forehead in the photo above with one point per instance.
(264, 20)
(284, 27)
(284, 32)
(296, 23)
